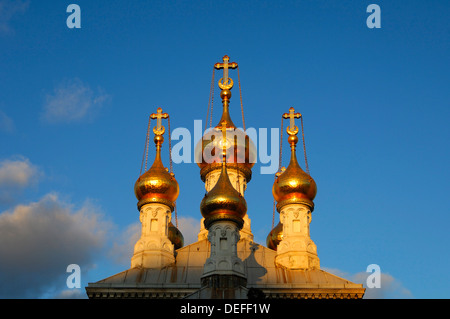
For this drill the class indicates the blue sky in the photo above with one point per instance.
(74, 105)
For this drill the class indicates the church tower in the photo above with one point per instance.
(240, 149)
(227, 154)
(223, 209)
(225, 261)
(156, 191)
(294, 191)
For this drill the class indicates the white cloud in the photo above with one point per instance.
(8, 10)
(70, 294)
(39, 240)
(6, 123)
(390, 287)
(123, 246)
(72, 101)
(15, 175)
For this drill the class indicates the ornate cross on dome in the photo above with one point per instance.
(292, 129)
(225, 83)
(159, 129)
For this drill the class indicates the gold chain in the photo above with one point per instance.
(145, 155)
(281, 146)
(238, 181)
(279, 169)
(171, 168)
(304, 146)
(240, 93)
(176, 214)
(210, 102)
(170, 146)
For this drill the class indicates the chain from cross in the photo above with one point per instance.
(159, 115)
(292, 129)
(226, 82)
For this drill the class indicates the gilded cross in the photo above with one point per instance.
(292, 129)
(159, 116)
(225, 82)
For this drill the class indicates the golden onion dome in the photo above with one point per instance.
(223, 202)
(275, 236)
(175, 236)
(294, 186)
(157, 185)
(241, 151)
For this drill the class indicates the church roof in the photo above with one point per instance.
(231, 264)
(183, 278)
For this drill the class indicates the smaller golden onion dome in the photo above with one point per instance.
(157, 185)
(275, 236)
(294, 186)
(175, 236)
(223, 202)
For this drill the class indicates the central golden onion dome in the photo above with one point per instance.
(223, 202)
(157, 185)
(241, 151)
(225, 146)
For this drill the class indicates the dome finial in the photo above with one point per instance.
(226, 84)
(159, 115)
(292, 129)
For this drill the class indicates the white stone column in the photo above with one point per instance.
(296, 250)
(223, 259)
(154, 249)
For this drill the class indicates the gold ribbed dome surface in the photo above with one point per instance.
(223, 202)
(241, 151)
(156, 185)
(275, 236)
(175, 236)
(294, 186)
